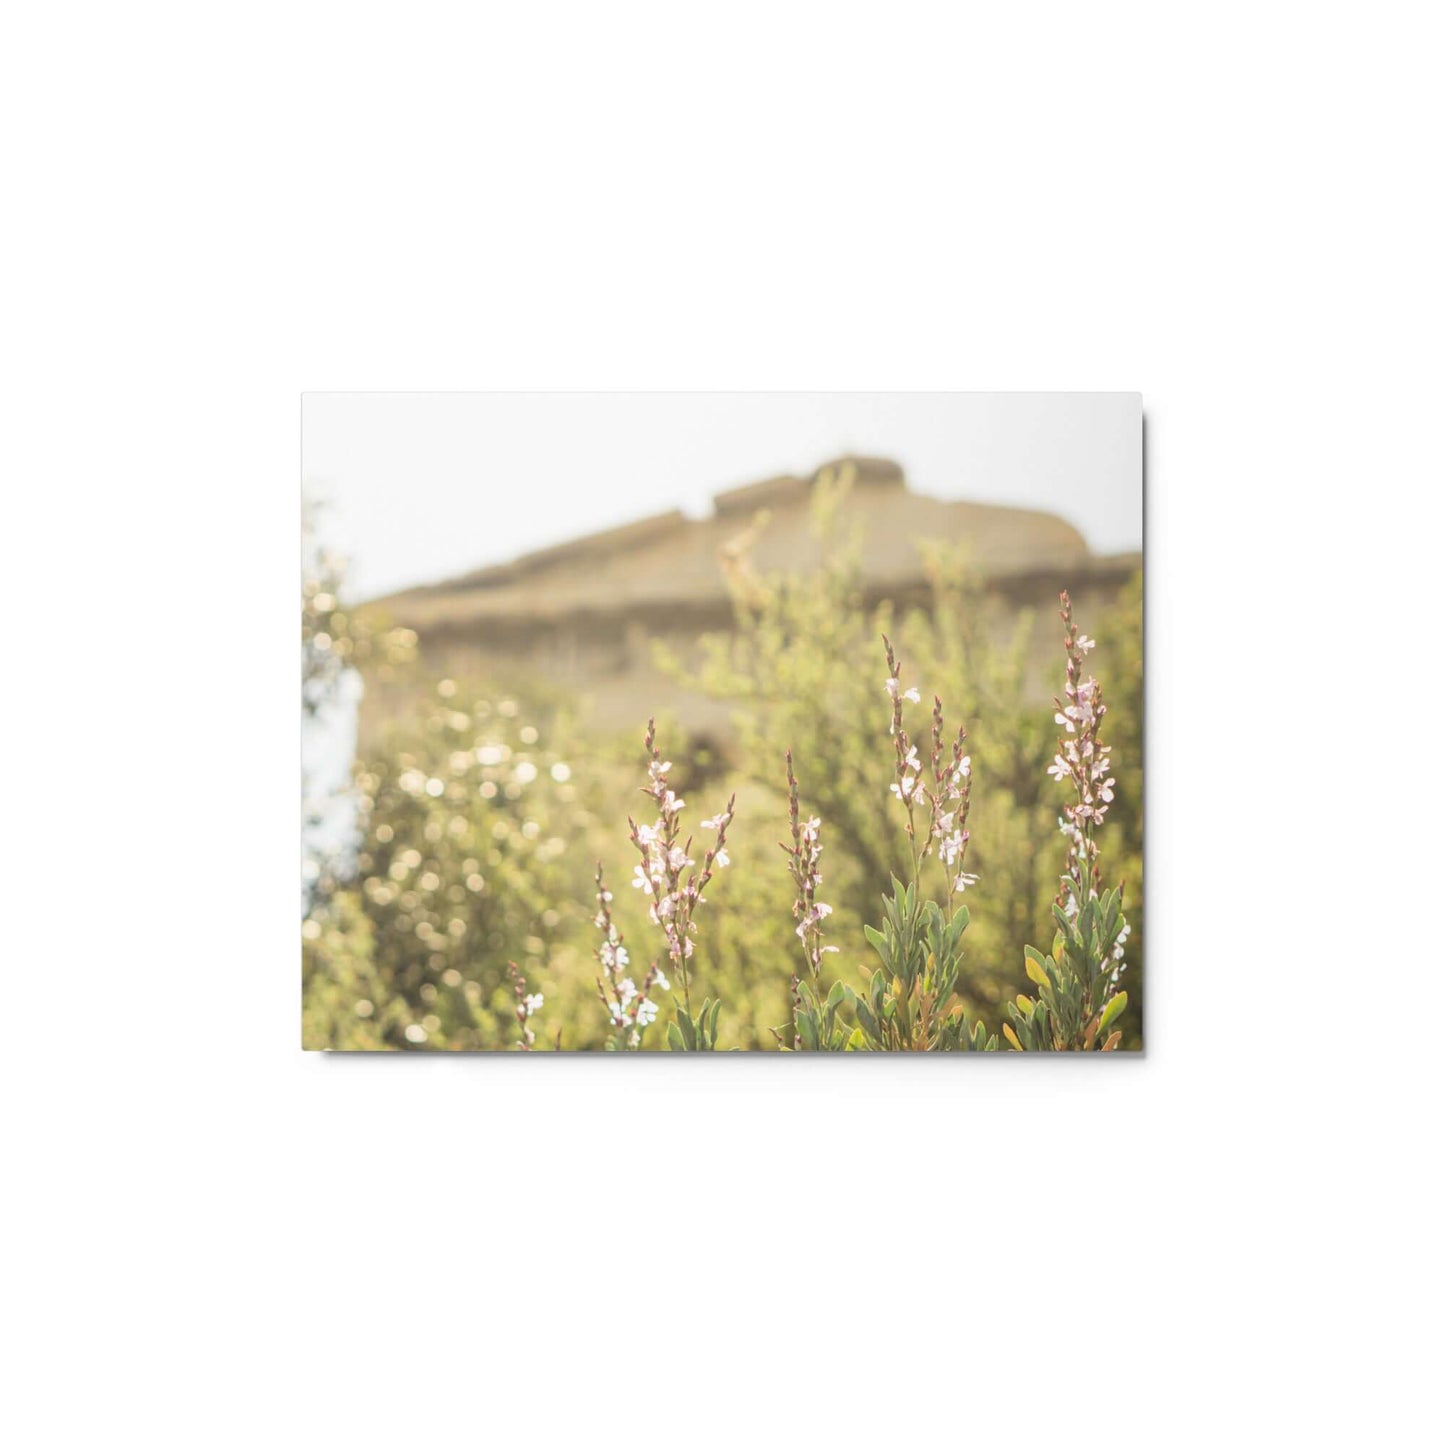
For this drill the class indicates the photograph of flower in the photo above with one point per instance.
(713, 722)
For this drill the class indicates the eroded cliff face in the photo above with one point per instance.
(584, 615)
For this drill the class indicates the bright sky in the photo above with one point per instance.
(425, 485)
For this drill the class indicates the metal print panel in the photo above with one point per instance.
(687, 723)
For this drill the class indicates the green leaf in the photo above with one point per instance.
(879, 942)
(1112, 1010)
(808, 1030)
(689, 1029)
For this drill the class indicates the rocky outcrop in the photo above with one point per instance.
(584, 614)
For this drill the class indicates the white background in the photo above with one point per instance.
(1231, 208)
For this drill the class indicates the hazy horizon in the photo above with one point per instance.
(423, 486)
